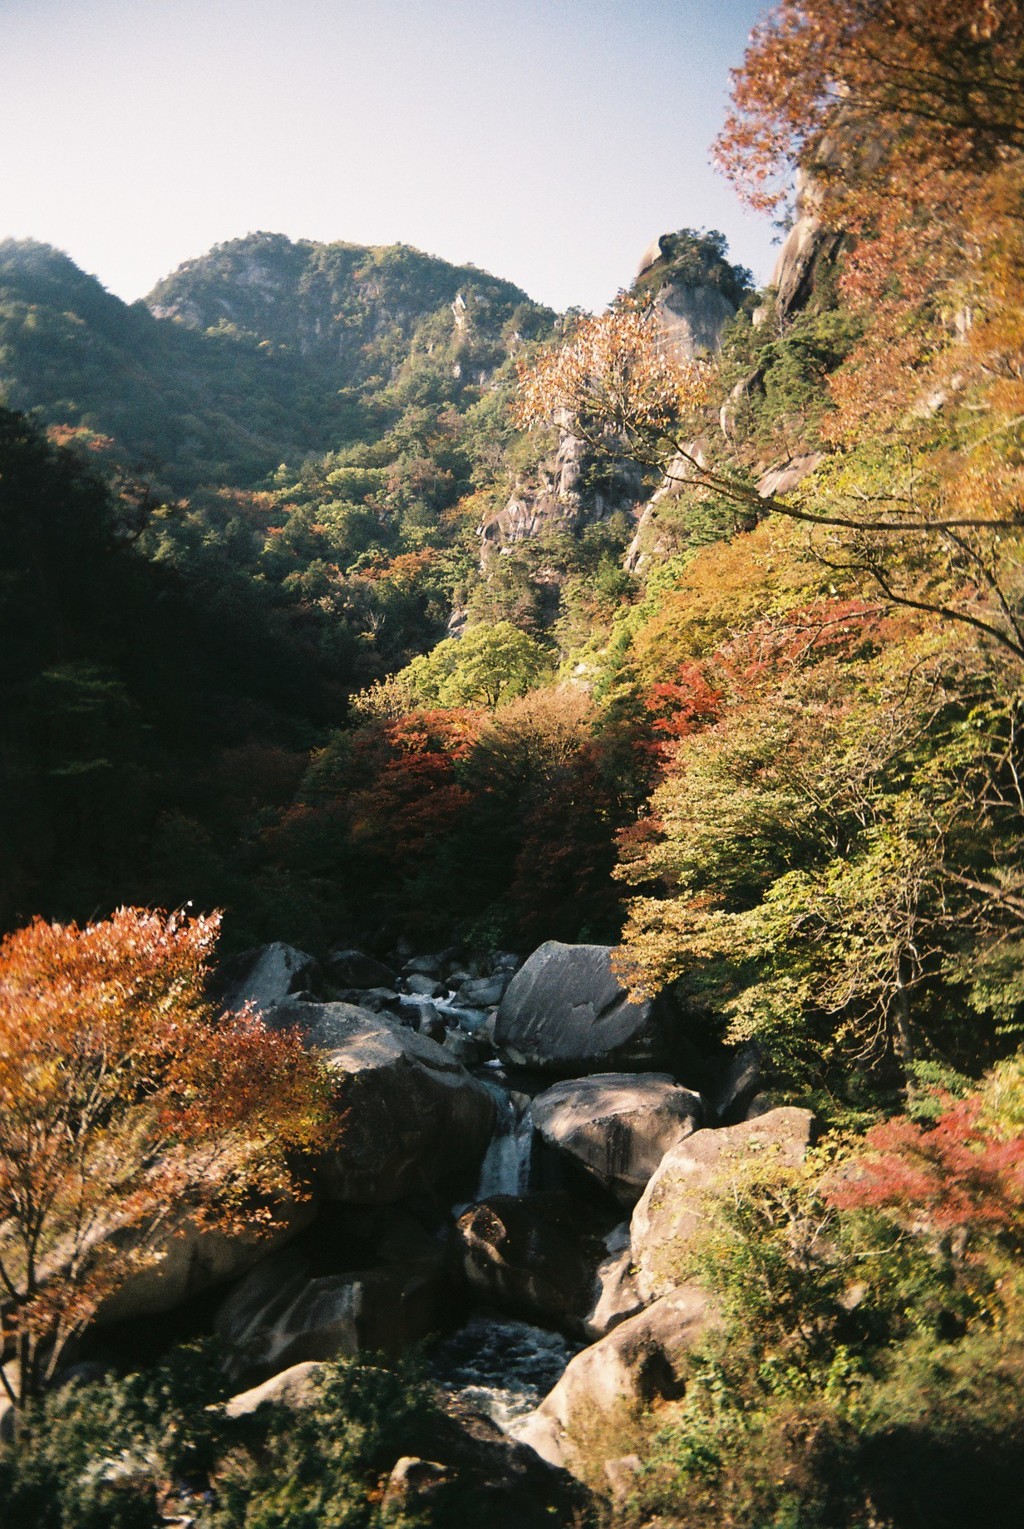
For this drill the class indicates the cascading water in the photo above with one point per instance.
(505, 1169)
(494, 1364)
(501, 1367)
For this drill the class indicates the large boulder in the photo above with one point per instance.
(617, 1126)
(607, 1386)
(197, 1258)
(537, 1255)
(483, 992)
(266, 975)
(566, 1012)
(281, 1313)
(353, 968)
(412, 1117)
(671, 1206)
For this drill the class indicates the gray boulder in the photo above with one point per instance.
(267, 975)
(352, 968)
(607, 1386)
(505, 961)
(198, 1259)
(297, 1387)
(691, 319)
(424, 987)
(616, 1296)
(566, 1012)
(281, 1314)
(536, 1255)
(413, 1118)
(376, 999)
(670, 1208)
(617, 1126)
(483, 992)
(467, 1048)
(424, 966)
(414, 1484)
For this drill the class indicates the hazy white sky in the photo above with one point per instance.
(547, 141)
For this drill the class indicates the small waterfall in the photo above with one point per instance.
(470, 1020)
(505, 1169)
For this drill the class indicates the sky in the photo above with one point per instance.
(546, 141)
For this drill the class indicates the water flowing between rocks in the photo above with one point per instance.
(500, 1367)
(495, 1364)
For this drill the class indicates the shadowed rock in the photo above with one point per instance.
(412, 1117)
(537, 1255)
(266, 975)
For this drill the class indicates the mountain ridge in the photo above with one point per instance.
(199, 397)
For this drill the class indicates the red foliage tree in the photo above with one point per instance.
(128, 1110)
(960, 1178)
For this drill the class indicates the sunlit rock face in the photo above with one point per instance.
(555, 495)
(566, 1012)
(617, 1127)
(669, 1211)
(692, 320)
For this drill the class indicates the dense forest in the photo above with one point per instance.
(356, 600)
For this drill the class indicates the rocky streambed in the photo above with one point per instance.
(522, 1155)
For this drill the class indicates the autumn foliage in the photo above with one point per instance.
(613, 382)
(961, 1177)
(128, 1111)
(942, 78)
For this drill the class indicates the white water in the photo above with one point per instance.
(501, 1367)
(505, 1169)
(470, 1020)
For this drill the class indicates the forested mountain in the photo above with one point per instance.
(354, 594)
(277, 350)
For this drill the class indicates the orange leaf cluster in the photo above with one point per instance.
(128, 1111)
(613, 375)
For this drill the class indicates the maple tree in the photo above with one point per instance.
(945, 81)
(129, 1112)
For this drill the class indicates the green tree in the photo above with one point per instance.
(487, 666)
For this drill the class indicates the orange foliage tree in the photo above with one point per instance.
(924, 82)
(129, 1111)
(908, 116)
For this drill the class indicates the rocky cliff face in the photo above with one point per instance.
(808, 248)
(694, 288)
(695, 292)
(692, 319)
(556, 494)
